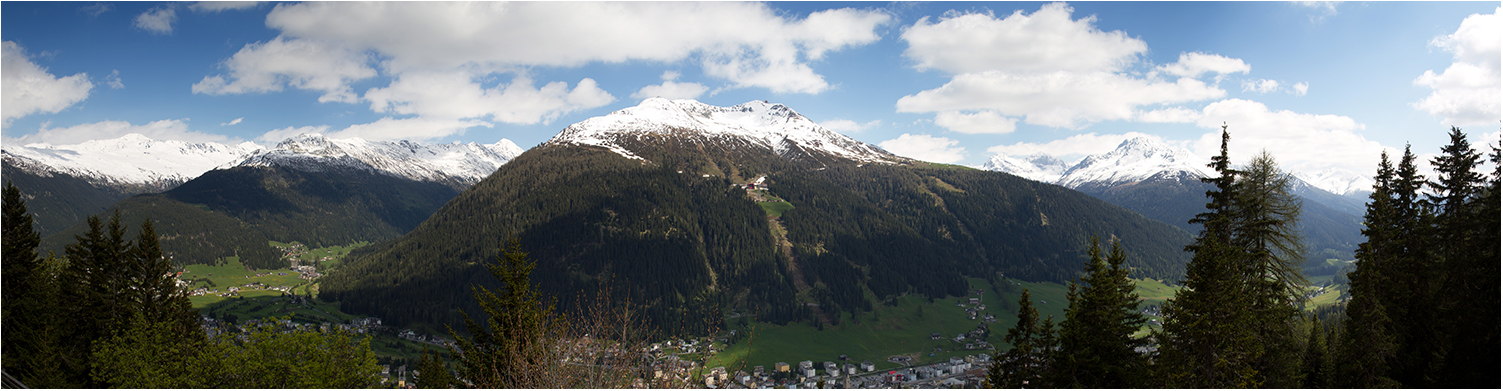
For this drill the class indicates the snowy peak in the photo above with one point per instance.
(1339, 181)
(460, 164)
(1038, 167)
(132, 159)
(1136, 159)
(765, 125)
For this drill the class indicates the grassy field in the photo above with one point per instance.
(901, 329)
(230, 272)
(775, 209)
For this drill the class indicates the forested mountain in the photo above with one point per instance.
(235, 211)
(653, 205)
(58, 200)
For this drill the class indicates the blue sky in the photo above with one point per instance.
(1324, 86)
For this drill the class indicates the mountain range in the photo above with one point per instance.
(651, 202)
(1162, 183)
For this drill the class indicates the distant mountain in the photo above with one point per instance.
(1340, 182)
(1163, 184)
(132, 163)
(651, 201)
(310, 189)
(1039, 167)
(459, 165)
(57, 200)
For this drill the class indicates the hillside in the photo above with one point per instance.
(652, 213)
(56, 200)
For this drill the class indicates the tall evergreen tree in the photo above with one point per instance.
(509, 350)
(432, 373)
(1266, 231)
(1033, 346)
(31, 326)
(1097, 349)
(1367, 345)
(1414, 276)
(1207, 340)
(1316, 371)
(1466, 240)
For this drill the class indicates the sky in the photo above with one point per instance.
(1320, 85)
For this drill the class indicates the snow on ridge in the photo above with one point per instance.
(468, 163)
(132, 158)
(767, 125)
(1338, 181)
(1135, 159)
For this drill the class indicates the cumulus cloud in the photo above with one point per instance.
(167, 129)
(1467, 92)
(1073, 146)
(1301, 88)
(1169, 115)
(1302, 142)
(925, 147)
(418, 128)
(29, 89)
(157, 20)
(1058, 99)
(1196, 63)
(1046, 68)
(849, 126)
(750, 44)
(454, 95)
(96, 9)
(671, 89)
(985, 121)
(297, 63)
(1047, 40)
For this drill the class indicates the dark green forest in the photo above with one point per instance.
(60, 201)
(661, 234)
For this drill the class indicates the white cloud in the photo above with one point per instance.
(454, 95)
(1301, 142)
(925, 147)
(1047, 69)
(985, 121)
(849, 126)
(279, 135)
(1467, 92)
(233, 122)
(671, 89)
(750, 44)
(1073, 146)
(418, 129)
(298, 63)
(29, 89)
(113, 80)
(216, 6)
(1169, 115)
(1322, 9)
(1195, 64)
(1301, 88)
(157, 20)
(167, 129)
(1045, 41)
(1059, 99)
(1262, 86)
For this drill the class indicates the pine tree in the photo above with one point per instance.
(1033, 345)
(1467, 238)
(31, 325)
(1317, 361)
(1414, 277)
(1208, 340)
(432, 373)
(1097, 349)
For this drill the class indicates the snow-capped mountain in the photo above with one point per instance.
(465, 164)
(1136, 159)
(760, 124)
(1339, 181)
(131, 160)
(1039, 167)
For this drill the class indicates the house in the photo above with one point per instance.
(832, 369)
(935, 336)
(806, 368)
(867, 366)
(780, 367)
(974, 300)
(850, 369)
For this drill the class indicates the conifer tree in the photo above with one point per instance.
(1208, 340)
(1367, 345)
(1097, 349)
(509, 351)
(1466, 241)
(31, 325)
(1266, 231)
(1033, 345)
(1317, 361)
(432, 373)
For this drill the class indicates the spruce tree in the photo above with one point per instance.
(1466, 240)
(1208, 340)
(509, 351)
(30, 323)
(1097, 349)
(1033, 345)
(1367, 345)
(1316, 370)
(432, 373)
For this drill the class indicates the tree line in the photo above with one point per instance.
(1423, 311)
(110, 314)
